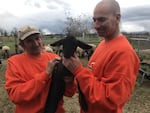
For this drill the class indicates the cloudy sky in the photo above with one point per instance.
(49, 15)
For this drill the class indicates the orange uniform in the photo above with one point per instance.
(27, 83)
(110, 78)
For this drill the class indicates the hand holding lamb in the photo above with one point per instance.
(61, 74)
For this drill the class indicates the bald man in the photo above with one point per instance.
(109, 79)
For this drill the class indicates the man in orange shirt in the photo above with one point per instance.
(109, 79)
(28, 75)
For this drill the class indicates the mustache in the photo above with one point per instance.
(35, 47)
(100, 29)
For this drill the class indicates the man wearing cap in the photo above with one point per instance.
(28, 75)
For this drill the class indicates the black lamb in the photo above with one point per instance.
(57, 87)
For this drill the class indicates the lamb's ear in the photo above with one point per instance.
(57, 43)
(83, 45)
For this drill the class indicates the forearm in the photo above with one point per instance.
(103, 91)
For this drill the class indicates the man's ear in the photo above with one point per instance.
(21, 44)
(118, 16)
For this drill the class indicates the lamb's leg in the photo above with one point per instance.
(56, 92)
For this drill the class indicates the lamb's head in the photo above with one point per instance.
(70, 43)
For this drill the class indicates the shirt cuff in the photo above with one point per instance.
(77, 70)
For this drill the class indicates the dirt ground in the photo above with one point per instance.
(139, 102)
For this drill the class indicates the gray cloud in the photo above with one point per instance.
(54, 22)
(32, 3)
(8, 21)
(139, 16)
(53, 19)
(58, 3)
(136, 13)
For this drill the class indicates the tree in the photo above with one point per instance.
(78, 25)
(5, 33)
(14, 34)
(2, 32)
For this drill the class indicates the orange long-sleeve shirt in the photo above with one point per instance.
(110, 78)
(27, 83)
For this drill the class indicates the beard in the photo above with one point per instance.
(34, 50)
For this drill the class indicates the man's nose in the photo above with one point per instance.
(96, 24)
(35, 42)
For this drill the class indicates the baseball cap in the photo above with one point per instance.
(26, 31)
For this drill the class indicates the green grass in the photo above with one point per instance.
(10, 41)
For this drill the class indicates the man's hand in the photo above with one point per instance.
(51, 65)
(71, 63)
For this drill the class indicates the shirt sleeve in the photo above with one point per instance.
(22, 90)
(115, 86)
